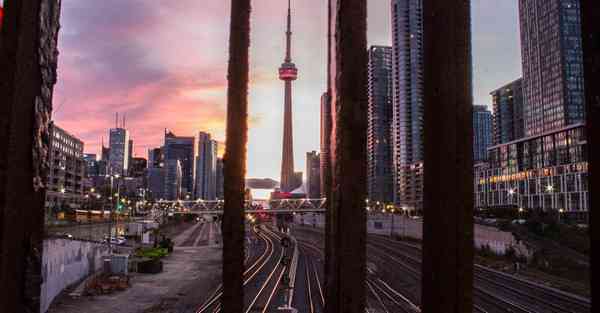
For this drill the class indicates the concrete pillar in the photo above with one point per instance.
(590, 15)
(447, 267)
(28, 58)
(234, 161)
(347, 220)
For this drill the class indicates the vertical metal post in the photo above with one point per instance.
(348, 75)
(235, 157)
(447, 266)
(28, 59)
(590, 15)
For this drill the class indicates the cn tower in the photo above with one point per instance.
(288, 73)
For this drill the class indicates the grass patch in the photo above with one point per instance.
(152, 253)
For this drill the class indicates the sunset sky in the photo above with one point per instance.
(163, 64)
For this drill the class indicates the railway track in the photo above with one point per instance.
(212, 304)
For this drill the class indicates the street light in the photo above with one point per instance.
(520, 213)
(549, 188)
(560, 212)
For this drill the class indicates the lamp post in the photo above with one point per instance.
(560, 212)
(520, 213)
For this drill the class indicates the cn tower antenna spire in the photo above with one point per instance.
(288, 53)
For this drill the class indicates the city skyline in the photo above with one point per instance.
(161, 82)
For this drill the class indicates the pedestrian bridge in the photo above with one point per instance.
(251, 206)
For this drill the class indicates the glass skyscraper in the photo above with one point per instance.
(552, 64)
(380, 178)
(482, 132)
(508, 121)
(407, 123)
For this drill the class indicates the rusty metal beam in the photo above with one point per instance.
(590, 15)
(348, 76)
(235, 158)
(28, 60)
(447, 266)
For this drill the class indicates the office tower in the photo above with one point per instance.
(288, 73)
(138, 167)
(407, 119)
(380, 177)
(482, 132)
(220, 178)
(91, 164)
(182, 149)
(206, 168)
(552, 64)
(119, 151)
(325, 133)
(130, 152)
(313, 175)
(156, 157)
(173, 179)
(508, 119)
(67, 170)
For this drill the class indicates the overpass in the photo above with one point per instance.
(251, 206)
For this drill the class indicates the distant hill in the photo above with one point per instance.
(261, 183)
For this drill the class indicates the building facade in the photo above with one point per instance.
(156, 157)
(552, 64)
(92, 167)
(119, 151)
(183, 150)
(482, 132)
(65, 187)
(325, 133)
(173, 180)
(206, 168)
(313, 175)
(546, 172)
(508, 119)
(407, 123)
(138, 167)
(380, 177)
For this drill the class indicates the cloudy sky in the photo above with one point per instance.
(163, 64)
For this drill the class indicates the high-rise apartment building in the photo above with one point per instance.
(508, 118)
(407, 122)
(482, 132)
(552, 61)
(119, 151)
(67, 170)
(380, 177)
(313, 175)
(206, 168)
(182, 149)
(546, 169)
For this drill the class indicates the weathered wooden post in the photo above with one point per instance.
(447, 266)
(348, 81)
(28, 58)
(590, 15)
(235, 158)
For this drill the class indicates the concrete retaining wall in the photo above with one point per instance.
(66, 262)
(381, 224)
